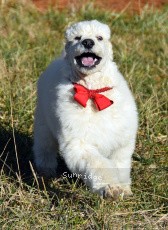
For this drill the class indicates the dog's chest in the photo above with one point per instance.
(99, 128)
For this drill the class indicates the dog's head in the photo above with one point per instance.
(88, 46)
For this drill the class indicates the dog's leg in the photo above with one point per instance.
(96, 171)
(45, 148)
(122, 159)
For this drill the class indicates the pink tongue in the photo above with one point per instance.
(88, 61)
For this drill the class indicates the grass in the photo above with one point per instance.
(29, 40)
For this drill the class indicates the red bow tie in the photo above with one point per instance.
(82, 95)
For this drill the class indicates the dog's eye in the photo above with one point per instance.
(99, 38)
(78, 38)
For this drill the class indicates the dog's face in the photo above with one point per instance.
(88, 46)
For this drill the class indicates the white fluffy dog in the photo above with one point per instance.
(85, 107)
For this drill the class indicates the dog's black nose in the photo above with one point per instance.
(88, 43)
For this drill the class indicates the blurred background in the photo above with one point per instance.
(114, 5)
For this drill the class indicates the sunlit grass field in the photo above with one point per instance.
(29, 41)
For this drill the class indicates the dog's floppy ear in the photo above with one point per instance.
(110, 50)
(67, 45)
(63, 53)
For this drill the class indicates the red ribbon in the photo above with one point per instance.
(82, 95)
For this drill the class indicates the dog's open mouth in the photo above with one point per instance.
(88, 60)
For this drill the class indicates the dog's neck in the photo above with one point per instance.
(93, 81)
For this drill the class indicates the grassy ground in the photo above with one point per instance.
(29, 40)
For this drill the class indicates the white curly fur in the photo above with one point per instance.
(98, 145)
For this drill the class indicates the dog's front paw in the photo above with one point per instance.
(117, 192)
(114, 192)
